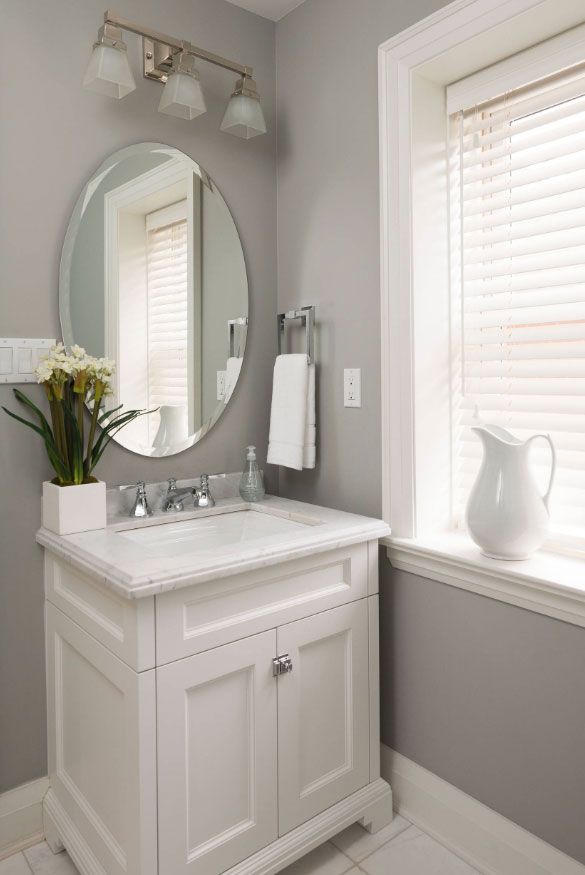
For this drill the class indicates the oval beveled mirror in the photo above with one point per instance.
(153, 276)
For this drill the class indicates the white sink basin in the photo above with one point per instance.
(212, 532)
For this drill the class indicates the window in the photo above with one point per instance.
(167, 313)
(517, 244)
(451, 63)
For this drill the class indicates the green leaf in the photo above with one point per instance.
(54, 457)
(106, 413)
(109, 432)
(25, 422)
(26, 401)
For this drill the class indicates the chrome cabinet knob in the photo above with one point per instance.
(281, 665)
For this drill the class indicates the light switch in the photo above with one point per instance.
(20, 356)
(6, 354)
(25, 364)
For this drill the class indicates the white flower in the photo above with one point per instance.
(102, 369)
(44, 371)
(58, 363)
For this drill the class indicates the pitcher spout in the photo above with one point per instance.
(496, 434)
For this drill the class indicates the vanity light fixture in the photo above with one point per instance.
(182, 95)
(171, 62)
(243, 116)
(108, 71)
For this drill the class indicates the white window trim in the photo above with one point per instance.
(477, 33)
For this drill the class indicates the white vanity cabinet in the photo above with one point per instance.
(227, 726)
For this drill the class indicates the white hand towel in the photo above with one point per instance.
(232, 373)
(288, 416)
(309, 453)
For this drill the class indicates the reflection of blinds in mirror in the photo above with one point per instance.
(518, 254)
(167, 279)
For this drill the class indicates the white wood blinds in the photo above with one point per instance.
(168, 318)
(517, 173)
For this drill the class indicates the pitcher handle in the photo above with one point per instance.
(553, 467)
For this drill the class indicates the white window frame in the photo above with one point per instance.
(414, 69)
(147, 184)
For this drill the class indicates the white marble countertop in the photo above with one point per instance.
(133, 571)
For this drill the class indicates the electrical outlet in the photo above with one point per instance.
(220, 385)
(352, 387)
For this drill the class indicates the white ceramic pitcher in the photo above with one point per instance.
(507, 517)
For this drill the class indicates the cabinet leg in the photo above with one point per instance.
(379, 814)
(51, 835)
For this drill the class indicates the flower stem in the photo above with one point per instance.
(94, 417)
(65, 448)
(54, 405)
(80, 418)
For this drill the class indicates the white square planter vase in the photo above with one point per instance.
(70, 509)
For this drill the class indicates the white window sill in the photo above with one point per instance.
(548, 583)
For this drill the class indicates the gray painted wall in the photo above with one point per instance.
(54, 135)
(489, 696)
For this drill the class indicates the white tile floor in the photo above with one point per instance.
(399, 849)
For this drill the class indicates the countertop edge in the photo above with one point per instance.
(131, 588)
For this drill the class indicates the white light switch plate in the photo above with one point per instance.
(352, 387)
(220, 385)
(20, 356)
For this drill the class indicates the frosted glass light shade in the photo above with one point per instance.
(182, 96)
(244, 117)
(109, 72)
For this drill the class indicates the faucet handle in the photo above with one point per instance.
(140, 508)
(203, 496)
(171, 484)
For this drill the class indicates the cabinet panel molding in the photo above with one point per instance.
(195, 619)
(217, 756)
(125, 627)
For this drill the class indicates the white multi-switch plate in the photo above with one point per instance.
(352, 387)
(220, 385)
(20, 356)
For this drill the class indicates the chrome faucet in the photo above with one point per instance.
(203, 496)
(173, 500)
(140, 508)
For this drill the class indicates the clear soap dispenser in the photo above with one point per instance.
(252, 484)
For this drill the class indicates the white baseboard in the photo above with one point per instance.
(485, 839)
(21, 817)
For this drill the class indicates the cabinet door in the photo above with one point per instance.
(323, 714)
(217, 756)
